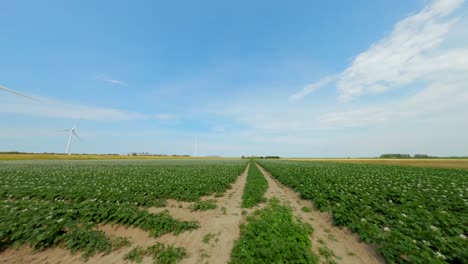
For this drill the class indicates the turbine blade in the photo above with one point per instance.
(76, 124)
(15, 92)
(76, 135)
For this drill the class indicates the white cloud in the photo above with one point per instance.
(163, 116)
(448, 99)
(312, 87)
(218, 129)
(411, 53)
(104, 78)
(424, 54)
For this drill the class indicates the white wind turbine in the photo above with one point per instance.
(15, 92)
(196, 147)
(72, 134)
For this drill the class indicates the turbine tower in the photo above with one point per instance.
(72, 133)
(196, 147)
(15, 92)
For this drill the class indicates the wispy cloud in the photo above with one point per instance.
(54, 108)
(418, 54)
(105, 78)
(312, 87)
(218, 129)
(163, 116)
(411, 53)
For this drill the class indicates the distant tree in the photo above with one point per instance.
(421, 156)
(395, 156)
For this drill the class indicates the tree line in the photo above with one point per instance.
(406, 156)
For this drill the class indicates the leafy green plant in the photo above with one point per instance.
(306, 209)
(327, 253)
(136, 254)
(48, 203)
(163, 254)
(412, 214)
(208, 237)
(135, 182)
(120, 242)
(255, 187)
(88, 241)
(204, 205)
(272, 235)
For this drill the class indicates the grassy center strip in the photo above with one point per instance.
(272, 235)
(160, 253)
(413, 215)
(255, 187)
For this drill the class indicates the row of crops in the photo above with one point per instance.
(50, 203)
(417, 215)
(139, 182)
(255, 187)
(273, 235)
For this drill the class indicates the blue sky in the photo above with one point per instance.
(290, 78)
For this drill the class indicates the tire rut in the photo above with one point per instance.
(222, 224)
(346, 245)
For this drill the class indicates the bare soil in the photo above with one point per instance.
(219, 229)
(345, 244)
(221, 224)
(211, 243)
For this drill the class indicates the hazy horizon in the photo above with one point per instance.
(293, 79)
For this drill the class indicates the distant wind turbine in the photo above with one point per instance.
(72, 134)
(196, 147)
(15, 92)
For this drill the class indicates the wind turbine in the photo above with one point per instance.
(15, 92)
(196, 147)
(72, 134)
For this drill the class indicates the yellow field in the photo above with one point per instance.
(87, 157)
(433, 163)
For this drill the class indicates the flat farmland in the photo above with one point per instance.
(430, 163)
(46, 156)
(70, 204)
(416, 215)
(230, 211)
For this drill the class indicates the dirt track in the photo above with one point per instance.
(221, 226)
(342, 242)
(221, 223)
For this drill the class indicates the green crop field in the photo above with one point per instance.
(272, 235)
(255, 187)
(138, 182)
(50, 203)
(417, 215)
(403, 214)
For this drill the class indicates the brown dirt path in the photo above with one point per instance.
(222, 224)
(345, 244)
